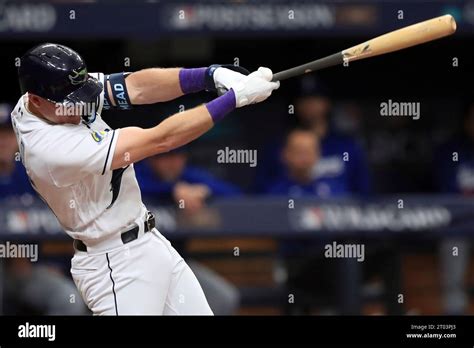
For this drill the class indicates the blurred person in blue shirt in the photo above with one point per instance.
(300, 155)
(342, 161)
(307, 173)
(302, 261)
(454, 174)
(167, 179)
(13, 178)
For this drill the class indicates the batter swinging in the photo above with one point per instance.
(83, 170)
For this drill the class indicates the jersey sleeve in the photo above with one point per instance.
(81, 152)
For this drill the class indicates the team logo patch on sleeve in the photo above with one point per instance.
(99, 136)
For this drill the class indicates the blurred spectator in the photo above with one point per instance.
(303, 259)
(454, 161)
(454, 173)
(13, 178)
(167, 178)
(39, 290)
(342, 162)
(300, 156)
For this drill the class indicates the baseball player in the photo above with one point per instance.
(84, 171)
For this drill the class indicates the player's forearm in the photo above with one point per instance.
(156, 85)
(135, 144)
(184, 127)
(153, 85)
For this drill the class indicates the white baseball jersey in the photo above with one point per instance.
(70, 167)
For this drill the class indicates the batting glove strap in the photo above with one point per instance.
(209, 77)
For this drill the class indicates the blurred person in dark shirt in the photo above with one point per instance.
(454, 160)
(169, 179)
(454, 174)
(342, 163)
(39, 289)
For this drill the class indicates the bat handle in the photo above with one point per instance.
(332, 60)
(282, 75)
(276, 77)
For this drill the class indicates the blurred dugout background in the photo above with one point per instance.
(400, 186)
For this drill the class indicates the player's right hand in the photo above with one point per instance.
(255, 87)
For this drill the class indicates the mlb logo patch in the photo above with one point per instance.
(98, 136)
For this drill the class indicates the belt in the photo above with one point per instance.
(127, 236)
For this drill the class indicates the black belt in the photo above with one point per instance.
(127, 236)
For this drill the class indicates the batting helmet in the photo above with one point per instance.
(58, 74)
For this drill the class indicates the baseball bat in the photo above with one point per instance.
(396, 40)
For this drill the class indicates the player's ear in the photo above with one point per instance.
(35, 100)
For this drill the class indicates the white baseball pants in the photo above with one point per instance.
(144, 277)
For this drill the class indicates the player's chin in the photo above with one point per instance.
(70, 120)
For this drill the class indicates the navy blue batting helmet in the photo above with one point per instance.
(58, 74)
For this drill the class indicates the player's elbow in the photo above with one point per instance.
(165, 144)
(138, 96)
(138, 88)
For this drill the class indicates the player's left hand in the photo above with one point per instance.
(219, 78)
